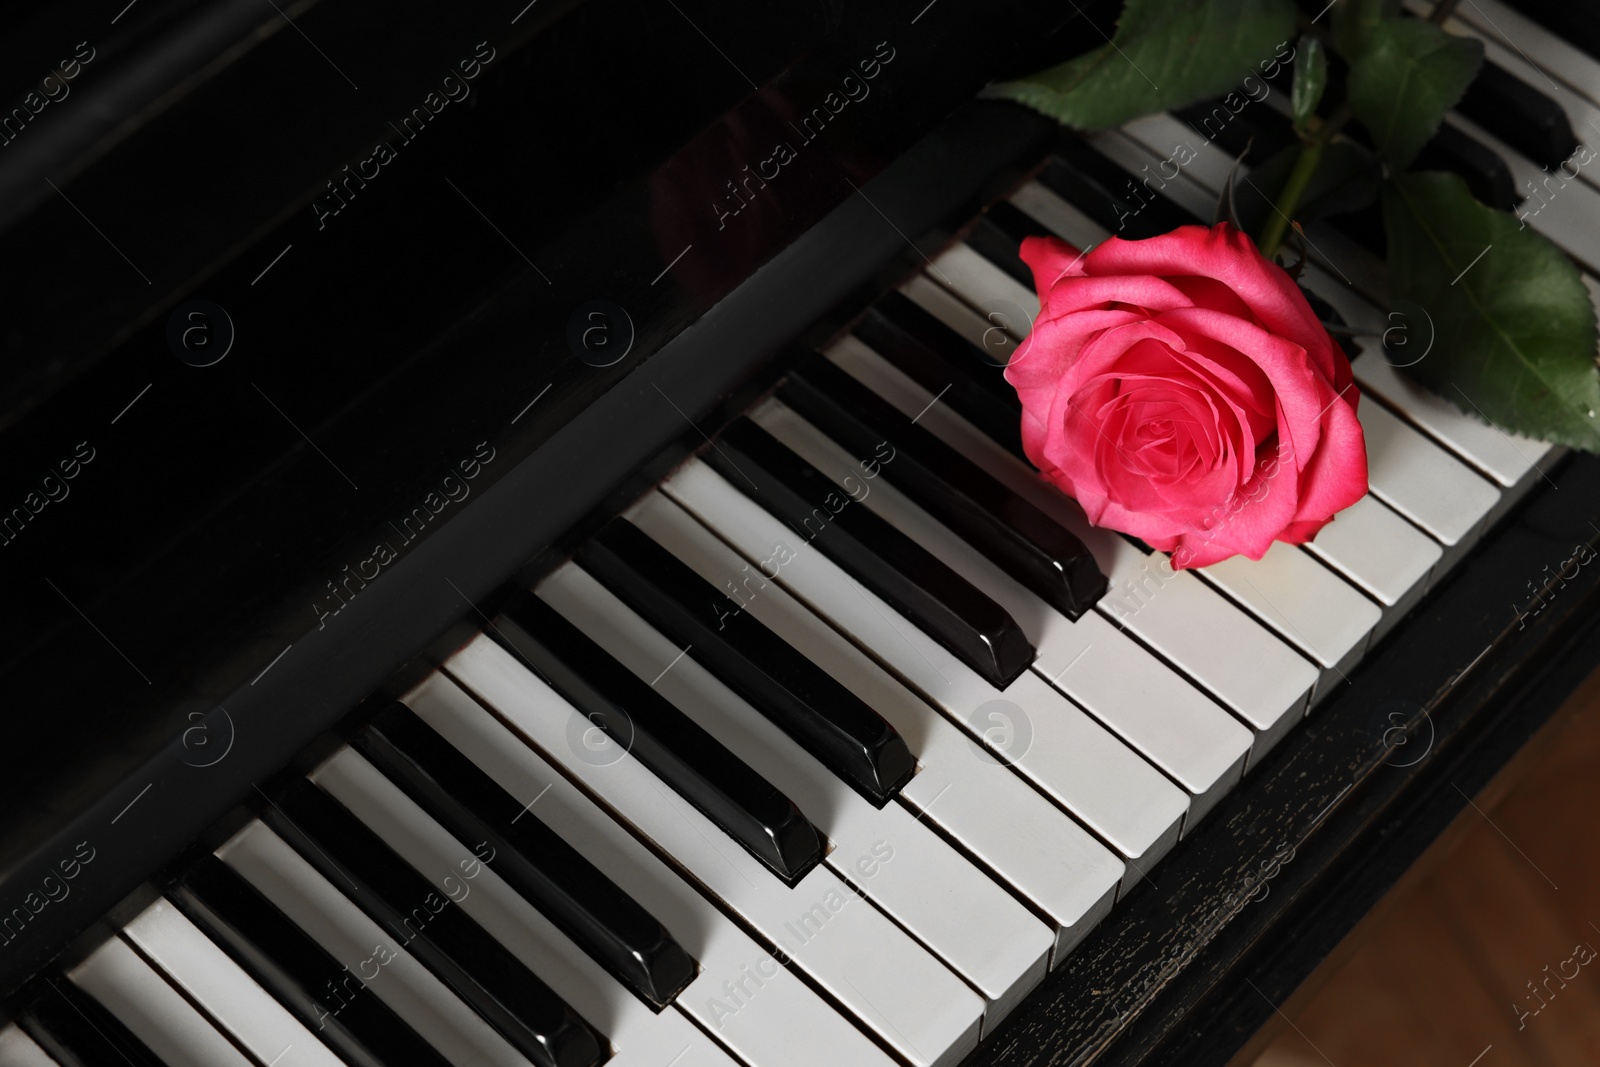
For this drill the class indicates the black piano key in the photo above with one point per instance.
(1129, 206)
(482, 971)
(913, 580)
(1520, 115)
(1486, 174)
(822, 716)
(939, 359)
(77, 1031)
(726, 789)
(316, 989)
(1573, 23)
(1018, 537)
(1255, 128)
(553, 876)
(999, 233)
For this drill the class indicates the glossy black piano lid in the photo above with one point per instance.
(191, 608)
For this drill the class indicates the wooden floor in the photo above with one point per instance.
(1481, 954)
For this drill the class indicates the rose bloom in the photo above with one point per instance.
(1183, 391)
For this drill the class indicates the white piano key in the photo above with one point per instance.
(1073, 759)
(1141, 699)
(1421, 481)
(642, 1037)
(1387, 557)
(1503, 456)
(1033, 847)
(1059, 216)
(1566, 210)
(1538, 58)
(994, 340)
(930, 889)
(211, 978)
(1251, 671)
(1127, 149)
(156, 1013)
(965, 273)
(1550, 56)
(347, 934)
(908, 998)
(1306, 603)
(17, 1049)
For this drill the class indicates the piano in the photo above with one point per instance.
(517, 551)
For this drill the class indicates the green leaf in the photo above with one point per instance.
(1353, 21)
(1514, 328)
(1310, 78)
(1165, 54)
(1409, 74)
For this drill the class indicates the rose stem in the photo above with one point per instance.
(1305, 167)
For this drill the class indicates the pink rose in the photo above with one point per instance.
(1183, 391)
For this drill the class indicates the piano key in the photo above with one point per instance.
(552, 874)
(1486, 171)
(17, 1049)
(1191, 739)
(929, 350)
(1421, 481)
(742, 803)
(1074, 760)
(202, 970)
(342, 930)
(944, 604)
(747, 995)
(637, 1032)
(825, 718)
(1512, 461)
(896, 861)
(1503, 456)
(156, 1013)
(1011, 531)
(1549, 68)
(1254, 673)
(1550, 56)
(1560, 208)
(1119, 201)
(1386, 557)
(1190, 196)
(980, 803)
(907, 997)
(455, 949)
(996, 235)
(75, 1031)
(1306, 603)
(300, 973)
(963, 271)
(1519, 114)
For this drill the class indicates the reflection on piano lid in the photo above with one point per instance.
(255, 544)
(607, 815)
